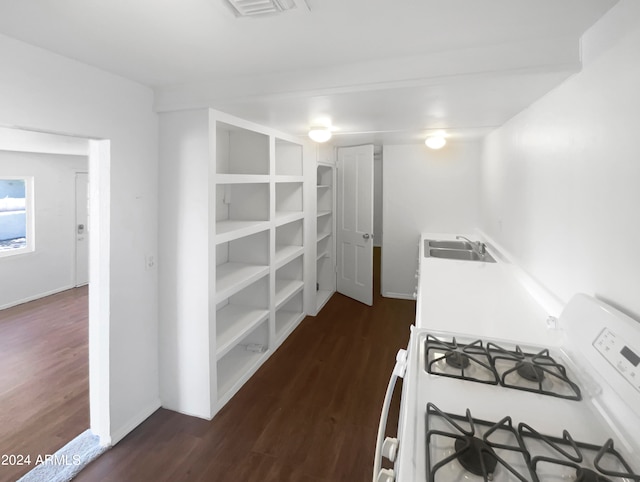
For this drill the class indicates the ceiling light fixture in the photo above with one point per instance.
(320, 134)
(435, 142)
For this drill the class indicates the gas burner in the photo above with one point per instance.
(538, 373)
(460, 447)
(457, 360)
(563, 458)
(466, 362)
(587, 475)
(476, 456)
(530, 371)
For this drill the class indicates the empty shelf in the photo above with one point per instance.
(285, 320)
(233, 322)
(285, 253)
(241, 178)
(285, 289)
(229, 229)
(232, 277)
(284, 217)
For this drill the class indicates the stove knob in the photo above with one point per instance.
(390, 448)
(386, 475)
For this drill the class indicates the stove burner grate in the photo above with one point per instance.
(477, 452)
(540, 371)
(466, 362)
(571, 454)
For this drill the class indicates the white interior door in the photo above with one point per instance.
(355, 223)
(82, 228)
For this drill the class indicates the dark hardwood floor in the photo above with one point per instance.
(309, 414)
(44, 376)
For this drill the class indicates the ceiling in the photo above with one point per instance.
(381, 71)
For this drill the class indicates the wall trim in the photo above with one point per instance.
(37, 297)
(399, 296)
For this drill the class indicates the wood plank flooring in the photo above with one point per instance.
(310, 414)
(44, 376)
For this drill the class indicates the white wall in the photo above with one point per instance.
(51, 267)
(43, 91)
(561, 181)
(424, 191)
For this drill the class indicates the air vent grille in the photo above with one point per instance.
(251, 8)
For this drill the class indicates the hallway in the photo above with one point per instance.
(309, 414)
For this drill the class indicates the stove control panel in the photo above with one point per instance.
(624, 358)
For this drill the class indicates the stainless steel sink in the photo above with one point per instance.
(433, 243)
(460, 254)
(456, 249)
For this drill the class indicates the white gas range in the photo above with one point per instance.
(492, 409)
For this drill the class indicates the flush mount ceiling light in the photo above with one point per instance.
(250, 8)
(435, 141)
(320, 133)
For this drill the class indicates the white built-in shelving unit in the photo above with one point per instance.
(232, 253)
(325, 234)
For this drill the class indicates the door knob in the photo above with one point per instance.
(366, 236)
(80, 228)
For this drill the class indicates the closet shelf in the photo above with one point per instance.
(323, 254)
(287, 178)
(229, 230)
(233, 322)
(286, 253)
(234, 369)
(284, 217)
(232, 277)
(286, 289)
(241, 178)
(285, 321)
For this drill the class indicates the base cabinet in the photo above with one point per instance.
(232, 252)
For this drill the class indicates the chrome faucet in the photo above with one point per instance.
(477, 246)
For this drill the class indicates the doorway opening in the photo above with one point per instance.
(93, 292)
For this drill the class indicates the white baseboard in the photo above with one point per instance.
(36, 297)
(133, 422)
(399, 296)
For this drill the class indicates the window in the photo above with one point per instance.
(16, 216)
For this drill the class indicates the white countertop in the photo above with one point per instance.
(478, 298)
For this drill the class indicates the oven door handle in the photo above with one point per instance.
(398, 372)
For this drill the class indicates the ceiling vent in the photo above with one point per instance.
(254, 8)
